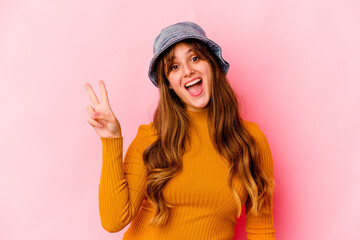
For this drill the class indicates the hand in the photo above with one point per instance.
(102, 117)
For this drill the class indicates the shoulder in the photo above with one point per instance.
(254, 130)
(145, 136)
(249, 125)
(262, 144)
(258, 135)
(146, 131)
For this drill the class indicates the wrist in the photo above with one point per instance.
(117, 135)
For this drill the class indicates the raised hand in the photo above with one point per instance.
(102, 118)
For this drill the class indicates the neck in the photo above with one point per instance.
(198, 117)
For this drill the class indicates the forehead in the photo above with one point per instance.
(181, 49)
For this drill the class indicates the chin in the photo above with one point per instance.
(199, 106)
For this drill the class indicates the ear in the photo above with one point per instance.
(170, 86)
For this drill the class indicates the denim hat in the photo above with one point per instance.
(177, 32)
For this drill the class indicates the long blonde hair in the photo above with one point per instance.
(163, 158)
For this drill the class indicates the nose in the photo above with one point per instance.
(187, 69)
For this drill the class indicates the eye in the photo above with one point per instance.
(194, 59)
(173, 67)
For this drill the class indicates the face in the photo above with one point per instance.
(190, 77)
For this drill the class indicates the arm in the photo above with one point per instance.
(261, 226)
(122, 185)
(121, 188)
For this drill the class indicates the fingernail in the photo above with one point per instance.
(96, 114)
(99, 125)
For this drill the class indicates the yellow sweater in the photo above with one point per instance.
(205, 207)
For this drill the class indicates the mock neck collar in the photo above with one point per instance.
(198, 117)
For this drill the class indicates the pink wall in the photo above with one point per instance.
(295, 63)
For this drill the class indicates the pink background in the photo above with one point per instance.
(295, 64)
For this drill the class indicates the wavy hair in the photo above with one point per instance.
(163, 158)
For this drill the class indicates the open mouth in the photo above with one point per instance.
(194, 87)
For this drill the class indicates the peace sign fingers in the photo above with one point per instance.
(92, 95)
(102, 117)
(103, 93)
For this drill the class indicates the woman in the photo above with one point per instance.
(187, 174)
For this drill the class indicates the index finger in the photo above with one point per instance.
(92, 94)
(103, 93)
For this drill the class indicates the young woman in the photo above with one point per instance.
(187, 174)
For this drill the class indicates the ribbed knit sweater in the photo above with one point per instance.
(204, 206)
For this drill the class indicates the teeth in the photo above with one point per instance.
(192, 82)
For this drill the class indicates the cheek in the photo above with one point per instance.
(171, 84)
(206, 68)
(209, 75)
(174, 81)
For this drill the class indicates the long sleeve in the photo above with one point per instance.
(122, 185)
(261, 226)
